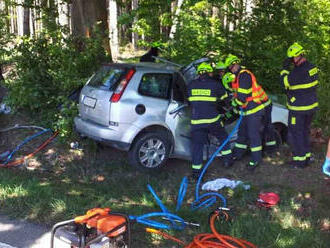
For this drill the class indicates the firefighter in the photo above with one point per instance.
(204, 92)
(249, 96)
(300, 84)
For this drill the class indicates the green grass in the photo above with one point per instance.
(51, 197)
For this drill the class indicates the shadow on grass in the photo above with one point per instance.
(104, 179)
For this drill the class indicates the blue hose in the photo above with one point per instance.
(144, 219)
(28, 139)
(212, 197)
(182, 193)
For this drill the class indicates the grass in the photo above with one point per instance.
(59, 193)
(62, 183)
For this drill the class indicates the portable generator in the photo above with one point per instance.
(99, 227)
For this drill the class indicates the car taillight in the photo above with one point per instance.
(121, 87)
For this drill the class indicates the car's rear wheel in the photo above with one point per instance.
(150, 151)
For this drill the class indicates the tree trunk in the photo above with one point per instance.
(20, 18)
(26, 20)
(135, 37)
(85, 14)
(63, 13)
(113, 29)
(175, 20)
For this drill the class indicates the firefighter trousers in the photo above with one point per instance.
(299, 136)
(269, 131)
(200, 138)
(249, 135)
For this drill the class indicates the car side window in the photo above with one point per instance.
(155, 85)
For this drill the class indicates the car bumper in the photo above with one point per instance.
(101, 133)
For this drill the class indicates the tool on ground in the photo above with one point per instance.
(97, 226)
(210, 240)
(268, 200)
(186, 222)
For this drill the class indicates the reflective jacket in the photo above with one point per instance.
(300, 85)
(203, 94)
(248, 94)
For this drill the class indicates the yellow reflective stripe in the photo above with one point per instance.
(256, 149)
(197, 166)
(271, 143)
(201, 92)
(308, 155)
(244, 91)
(313, 71)
(293, 99)
(202, 98)
(224, 96)
(284, 72)
(242, 146)
(303, 108)
(205, 121)
(286, 82)
(303, 86)
(238, 102)
(256, 109)
(298, 158)
(267, 103)
(226, 152)
(293, 120)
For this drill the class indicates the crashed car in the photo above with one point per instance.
(142, 108)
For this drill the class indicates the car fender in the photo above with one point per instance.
(280, 114)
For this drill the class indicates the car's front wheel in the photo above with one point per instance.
(150, 151)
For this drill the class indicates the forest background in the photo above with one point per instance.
(53, 46)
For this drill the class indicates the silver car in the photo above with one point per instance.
(142, 108)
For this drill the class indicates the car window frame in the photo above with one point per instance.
(169, 90)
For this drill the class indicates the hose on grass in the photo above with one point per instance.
(20, 127)
(209, 240)
(174, 219)
(182, 193)
(25, 141)
(42, 146)
(208, 199)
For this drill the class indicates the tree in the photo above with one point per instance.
(113, 29)
(175, 21)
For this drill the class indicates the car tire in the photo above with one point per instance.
(150, 151)
(280, 133)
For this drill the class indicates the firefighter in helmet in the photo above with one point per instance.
(300, 84)
(203, 94)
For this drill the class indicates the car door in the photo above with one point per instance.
(178, 118)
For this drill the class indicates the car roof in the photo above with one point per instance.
(147, 65)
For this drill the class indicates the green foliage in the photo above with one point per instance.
(260, 38)
(5, 37)
(47, 69)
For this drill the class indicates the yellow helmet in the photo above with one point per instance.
(220, 66)
(204, 67)
(295, 50)
(231, 59)
(227, 79)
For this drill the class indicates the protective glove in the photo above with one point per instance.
(326, 167)
(228, 115)
(286, 64)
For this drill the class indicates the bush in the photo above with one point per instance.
(47, 69)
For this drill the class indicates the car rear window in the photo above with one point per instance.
(108, 77)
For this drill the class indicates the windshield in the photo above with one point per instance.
(107, 77)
